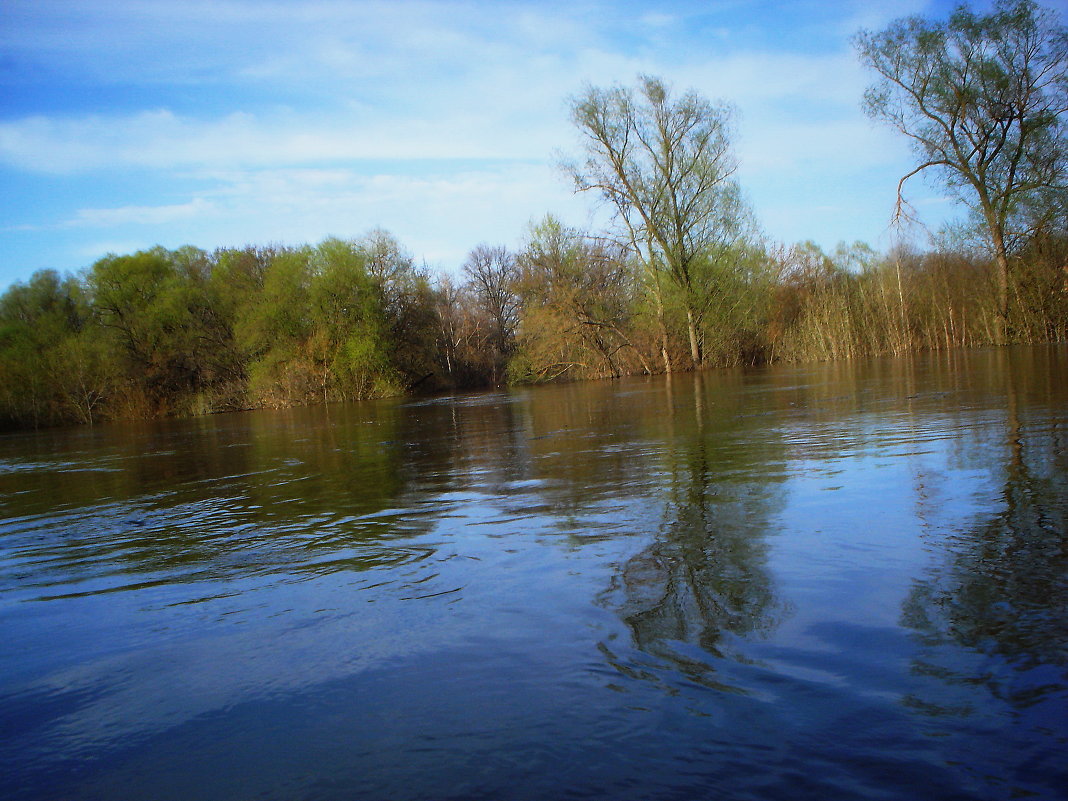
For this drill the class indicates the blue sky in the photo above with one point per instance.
(128, 124)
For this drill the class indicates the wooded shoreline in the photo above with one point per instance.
(185, 332)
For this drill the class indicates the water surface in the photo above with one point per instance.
(831, 581)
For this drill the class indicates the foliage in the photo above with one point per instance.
(49, 369)
(666, 167)
(578, 299)
(983, 100)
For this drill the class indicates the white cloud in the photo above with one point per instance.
(163, 140)
(439, 217)
(139, 215)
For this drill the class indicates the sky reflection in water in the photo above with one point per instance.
(833, 581)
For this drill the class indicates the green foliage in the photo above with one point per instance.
(982, 99)
(349, 316)
(665, 166)
(163, 332)
(51, 369)
(578, 299)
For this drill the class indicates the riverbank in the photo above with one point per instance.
(180, 333)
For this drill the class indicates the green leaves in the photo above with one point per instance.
(665, 164)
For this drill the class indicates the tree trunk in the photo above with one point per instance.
(659, 301)
(1002, 318)
(695, 344)
(664, 343)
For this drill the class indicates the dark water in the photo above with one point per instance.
(837, 581)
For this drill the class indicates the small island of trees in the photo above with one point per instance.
(682, 280)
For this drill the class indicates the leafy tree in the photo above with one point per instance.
(983, 98)
(154, 308)
(408, 306)
(578, 300)
(666, 167)
(349, 341)
(82, 374)
(37, 319)
(234, 282)
(271, 327)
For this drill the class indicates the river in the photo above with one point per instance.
(834, 581)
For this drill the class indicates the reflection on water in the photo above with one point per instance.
(704, 573)
(991, 611)
(834, 581)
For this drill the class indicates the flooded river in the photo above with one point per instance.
(838, 581)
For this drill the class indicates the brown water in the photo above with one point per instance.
(832, 581)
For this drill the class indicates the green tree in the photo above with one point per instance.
(983, 100)
(82, 374)
(578, 301)
(349, 342)
(37, 320)
(154, 306)
(666, 167)
(272, 325)
(409, 306)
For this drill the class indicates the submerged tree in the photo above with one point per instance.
(665, 166)
(983, 99)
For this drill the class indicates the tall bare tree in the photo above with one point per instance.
(665, 166)
(983, 99)
(491, 274)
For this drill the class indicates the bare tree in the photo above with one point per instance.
(491, 273)
(983, 99)
(665, 166)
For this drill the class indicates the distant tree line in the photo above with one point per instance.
(680, 280)
(185, 332)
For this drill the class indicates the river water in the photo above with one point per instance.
(820, 582)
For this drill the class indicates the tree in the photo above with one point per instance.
(491, 274)
(408, 302)
(578, 300)
(983, 99)
(38, 321)
(349, 343)
(665, 166)
(272, 325)
(462, 336)
(142, 303)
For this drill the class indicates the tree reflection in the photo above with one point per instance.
(298, 493)
(704, 579)
(1001, 590)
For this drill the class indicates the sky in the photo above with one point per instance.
(218, 123)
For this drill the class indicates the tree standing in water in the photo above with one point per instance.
(984, 100)
(666, 167)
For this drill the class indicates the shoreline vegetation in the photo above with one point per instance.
(682, 279)
(179, 333)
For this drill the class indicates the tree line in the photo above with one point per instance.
(183, 332)
(681, 279)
